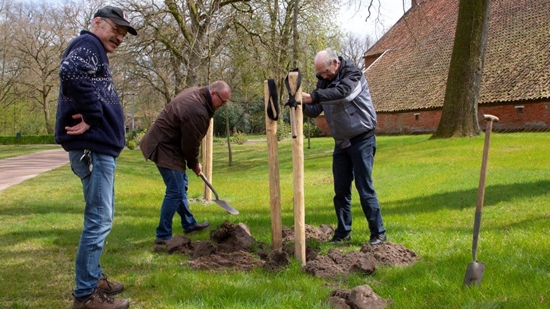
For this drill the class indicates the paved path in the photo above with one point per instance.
(18, 169)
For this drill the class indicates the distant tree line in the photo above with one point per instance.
(180, 44)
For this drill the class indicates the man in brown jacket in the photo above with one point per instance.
(173, 143)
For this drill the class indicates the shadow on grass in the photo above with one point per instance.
(467, 198)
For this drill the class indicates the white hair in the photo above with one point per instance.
(328, 55)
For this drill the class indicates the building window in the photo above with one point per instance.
(519, 109)
(416, 116)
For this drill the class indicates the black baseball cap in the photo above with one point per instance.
(117, 15)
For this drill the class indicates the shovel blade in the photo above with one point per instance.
(223, 204)
(474, 273)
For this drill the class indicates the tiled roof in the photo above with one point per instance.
(411, 73)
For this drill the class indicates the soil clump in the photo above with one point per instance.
(233, 246)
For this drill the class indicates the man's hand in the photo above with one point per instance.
(306, 98)
(78, 129)
(197, 169)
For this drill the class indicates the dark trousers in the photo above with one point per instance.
(355, 162)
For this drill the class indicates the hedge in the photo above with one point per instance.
(27, 139)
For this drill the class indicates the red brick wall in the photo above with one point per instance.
(534, 117)
(408, 122)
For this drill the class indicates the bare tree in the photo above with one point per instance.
(354, 48)
(373, 12)
(40, 41)
(182, 36)
(180, 44)
(39, 45)
(266, 29)
(459, 115)
(9, 69)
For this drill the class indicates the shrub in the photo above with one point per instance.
(134, 138)
(314, 130)
(131, 144)
(240, 138)
(283, 131)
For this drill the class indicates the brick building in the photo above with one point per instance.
(407, 68)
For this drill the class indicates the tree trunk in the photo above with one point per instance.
(228, 135)
(459, 115)
(47, 118)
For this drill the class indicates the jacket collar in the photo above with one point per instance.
(209, 103)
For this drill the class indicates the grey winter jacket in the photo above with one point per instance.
(346, 102)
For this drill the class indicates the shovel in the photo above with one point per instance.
(223, 204)
(474, 272)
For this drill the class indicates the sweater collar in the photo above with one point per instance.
(86, 32)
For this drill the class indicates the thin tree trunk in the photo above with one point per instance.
(228, 135)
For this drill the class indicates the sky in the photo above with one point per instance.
(384, 14)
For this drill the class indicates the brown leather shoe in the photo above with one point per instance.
(198, 227)
(110, 288)
(100, 300)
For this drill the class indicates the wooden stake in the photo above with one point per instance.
(274, 184)
(207, 146)
(298, 171)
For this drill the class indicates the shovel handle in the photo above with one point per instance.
(490, 117)
(209, 185)
(481, 189)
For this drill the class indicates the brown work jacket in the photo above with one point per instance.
(173, 140)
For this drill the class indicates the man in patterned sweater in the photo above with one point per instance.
(90, 126)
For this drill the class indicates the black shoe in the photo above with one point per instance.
(336, 238)
(377, 239)
(198, 227)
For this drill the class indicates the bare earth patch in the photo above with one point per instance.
(232, 246)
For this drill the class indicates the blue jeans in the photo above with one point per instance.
(175, 200)
(98, 187)
(356, 161)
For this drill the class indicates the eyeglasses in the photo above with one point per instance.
(326, 71)
(223, 101)
(115, 29)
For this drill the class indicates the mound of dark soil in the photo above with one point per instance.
(338, 264)
(233, 246)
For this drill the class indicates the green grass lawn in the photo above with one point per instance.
(427, 189)
(8, 151)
